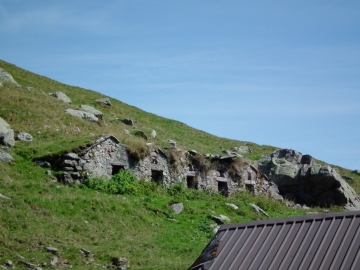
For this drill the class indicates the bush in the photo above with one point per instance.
(124, 182)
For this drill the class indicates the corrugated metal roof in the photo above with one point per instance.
(327, 241)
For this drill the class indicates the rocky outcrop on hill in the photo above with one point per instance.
(61, 96)
(6, 77)
(300, 179)
(92, 110)
(82, 114)
(5, 157)
(6, 134)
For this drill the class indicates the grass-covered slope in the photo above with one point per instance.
(140, 227)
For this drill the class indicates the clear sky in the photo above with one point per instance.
(281, 73)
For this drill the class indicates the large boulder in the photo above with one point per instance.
(61, 96)
(92, 110)
(5, 157)
(6, 77)
(82, 114)
(299, 178)
(6, 134)
(105, 101)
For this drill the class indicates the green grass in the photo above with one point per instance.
(137, 226)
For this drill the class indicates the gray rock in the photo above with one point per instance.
(43, 164)
(66, 179)
(29, 88)
(5, 157)
(52, 250)
(89, 109)
(61, 96)
(4, 197)
(241, 149)
(153, 133)
(233, 206)
(141, 134)
(6, 77)
(120, 262)
(6, 134)
(172, 143)
(54, 261)
(85, 252)
(259, 210)
(127, 132)
(105, 101)
(127, 121)
(302, 180)
(221, 219)
(83, 115)
(71, 156)
(23, 136)
(9, 263)
(177, 207)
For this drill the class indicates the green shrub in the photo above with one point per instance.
(124, 182)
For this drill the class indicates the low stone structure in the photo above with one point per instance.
(172, 166)
(283, 173)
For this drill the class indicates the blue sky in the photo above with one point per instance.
(280, 73)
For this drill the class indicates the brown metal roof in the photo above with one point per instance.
(327, 241)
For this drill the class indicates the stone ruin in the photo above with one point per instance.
(107, 156)
(284, 173)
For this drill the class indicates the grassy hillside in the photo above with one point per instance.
(140, 227)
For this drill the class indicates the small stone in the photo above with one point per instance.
(9, 263)
(87, 253)
(20, 257)
(43, 164)
(54, 261)
(48, 172)
(105, 101)
(52, 250)
(177, 208)
(25, 137)
(127, 121)
(233, 206)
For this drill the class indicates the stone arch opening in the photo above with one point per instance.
(116, 169)
(157, 176)
(223, 188)
(192, 182)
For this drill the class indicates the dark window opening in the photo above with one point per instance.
(116, 169)
(222, 173)
(223, 188)
(192, 182)
(157, 176)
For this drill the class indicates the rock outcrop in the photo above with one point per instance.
(6, 77)
(92, 110)
(5, 157)
(61, 96)
(300, 179)
(23, 136)
(6, 134)
(105, 101)
(82, 114)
